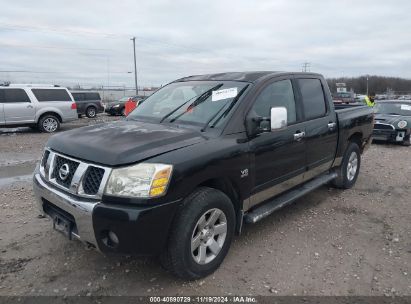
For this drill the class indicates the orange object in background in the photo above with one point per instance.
(129, 106)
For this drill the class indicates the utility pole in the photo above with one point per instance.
(367, 85)
(306, 67)
(135, 63)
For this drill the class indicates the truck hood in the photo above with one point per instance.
(123, 142)
(391, 119)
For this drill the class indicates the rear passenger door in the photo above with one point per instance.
(17, 106)
(57, 100)
(321, 131)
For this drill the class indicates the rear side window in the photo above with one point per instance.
(51, 95)
(313, 98)
(13, 95)
(92, 96)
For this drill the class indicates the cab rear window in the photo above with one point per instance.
(51, 95)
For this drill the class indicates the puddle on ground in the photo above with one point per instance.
(21, 172)
(13, 158)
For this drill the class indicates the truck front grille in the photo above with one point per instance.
(380, 126)
(63, 163)
(73, 175)
(92, 180)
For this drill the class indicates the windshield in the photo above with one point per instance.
(393, 108)
(191, 102)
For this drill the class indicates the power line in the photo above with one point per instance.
(52, 47)
(83, 32)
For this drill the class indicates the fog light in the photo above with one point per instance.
(110, 239)
(113, 237)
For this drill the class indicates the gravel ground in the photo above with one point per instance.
(331, 242)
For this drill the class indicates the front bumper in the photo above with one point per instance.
(141, 230)
(113, 111)
(390, 135)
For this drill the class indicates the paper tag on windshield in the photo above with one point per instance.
(224, 94)
(406, 107)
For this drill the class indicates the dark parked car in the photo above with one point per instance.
(393, 121)
(344, 97)
(88, 103)
(118, 107)
(199, 158)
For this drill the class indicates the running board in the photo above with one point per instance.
(287, 198)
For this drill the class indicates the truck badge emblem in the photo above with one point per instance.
(244, 173)
(64, 172)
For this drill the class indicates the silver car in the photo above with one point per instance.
(39, 107)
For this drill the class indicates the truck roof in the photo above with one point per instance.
(251, 76)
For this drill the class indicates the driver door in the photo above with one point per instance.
(279, 156)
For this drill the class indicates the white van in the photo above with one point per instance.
(40, 107)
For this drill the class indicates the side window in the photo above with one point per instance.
(51, 95)
(313, 98)
(13, 95)
(92, 96)
(277, 94)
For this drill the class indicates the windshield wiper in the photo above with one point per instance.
(182, 105)
(232, 104)
(203, 97)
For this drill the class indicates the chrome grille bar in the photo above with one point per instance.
(76, 185)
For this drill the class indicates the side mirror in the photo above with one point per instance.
(278, 118)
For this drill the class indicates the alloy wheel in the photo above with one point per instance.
(208, 236)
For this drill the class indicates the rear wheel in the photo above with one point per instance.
(49, 124)
(201, 235)
(91, 112)
(350, 167)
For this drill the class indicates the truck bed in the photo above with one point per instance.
(353, 120)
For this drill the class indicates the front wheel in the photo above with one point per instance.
(350, 167)
(407, 141)
(201, 235)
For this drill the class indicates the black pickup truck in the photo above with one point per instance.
(198, 159)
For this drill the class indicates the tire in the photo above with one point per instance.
(350, 167)
(91, 112)
(407, 141)
(49, 123)
(79, 115)
(200, 208)
(123, 112)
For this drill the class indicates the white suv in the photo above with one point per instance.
(40, 107)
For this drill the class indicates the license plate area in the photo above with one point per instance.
(63, 225)
(63, 221)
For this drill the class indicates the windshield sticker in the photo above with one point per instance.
(405, 107)
(224, 94)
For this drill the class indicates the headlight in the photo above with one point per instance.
(402, 124)
(142, 180)
(116, 106)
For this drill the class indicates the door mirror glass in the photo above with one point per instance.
(278, 118)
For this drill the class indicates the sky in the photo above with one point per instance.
(88, 42)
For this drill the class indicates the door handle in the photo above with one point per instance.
(29, 107)
(299, 135)
(332, 125)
